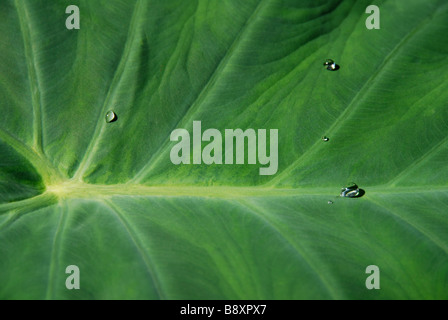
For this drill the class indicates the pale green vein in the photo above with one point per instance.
(291, 75)
(25, 27)
(432, 152)
(353, 106)
(261, 214)
(50, 175)
(55, 250)
(71, 190)
(173, 56)
(132, 40)
(138, 244)
(208, 87)
(76, 190)
(19, 208)
(443, 246)
(407, 190)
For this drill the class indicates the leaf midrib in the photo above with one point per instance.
(76, 190)
(82, 190)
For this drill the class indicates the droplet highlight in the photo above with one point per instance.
(111, 117)
(331, 65)
(351, 191)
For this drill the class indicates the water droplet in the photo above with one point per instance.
(351, 191)
(325, 139)
(111, 117)
(331, 65)
(330, 202)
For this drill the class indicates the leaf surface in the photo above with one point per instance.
(76, 190)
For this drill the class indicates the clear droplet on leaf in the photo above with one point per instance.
(330, 202)
(325, 139)
(111, 117)
(331, 65)
(351, 191)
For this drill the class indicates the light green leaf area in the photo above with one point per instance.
(76, 190)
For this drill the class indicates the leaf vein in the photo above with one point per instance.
(201, 96)
(423, 232)
(137, 243)
(353, 106)
(116, 79)
(259, 212)
(31, 62)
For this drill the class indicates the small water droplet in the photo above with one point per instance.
(325, 139)
(111, 117)
(330, 202)
(331, 65)
(351, 191)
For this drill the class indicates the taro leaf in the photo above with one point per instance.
(76, 190)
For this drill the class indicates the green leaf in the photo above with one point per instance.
(76, 190)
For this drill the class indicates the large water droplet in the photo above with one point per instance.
(351, 191)
(111, 117)
(331, 65)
